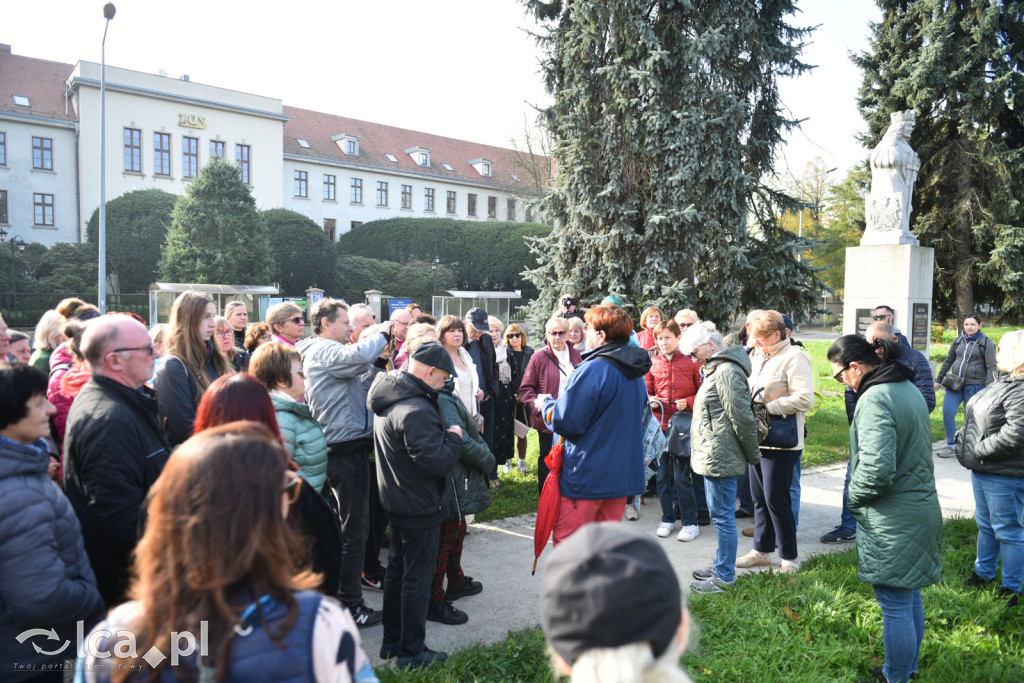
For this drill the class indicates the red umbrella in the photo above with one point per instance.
(547, 506)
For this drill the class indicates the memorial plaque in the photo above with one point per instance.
(919, 327)
(865, 316)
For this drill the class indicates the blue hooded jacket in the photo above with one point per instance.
(600, 415)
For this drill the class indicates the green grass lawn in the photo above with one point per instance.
(819, 625)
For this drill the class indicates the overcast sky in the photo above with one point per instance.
(461, 68)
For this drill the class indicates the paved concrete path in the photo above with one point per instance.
(500, 555)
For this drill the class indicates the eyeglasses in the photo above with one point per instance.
(299, 372)
(839, 375)
(880, 317)
(557, 333)
(297, 320)
(224, 333)
(148, 348)
(292, 486)
(515, 335)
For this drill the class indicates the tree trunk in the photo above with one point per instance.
(963, 287)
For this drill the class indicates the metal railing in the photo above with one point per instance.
(23, 310)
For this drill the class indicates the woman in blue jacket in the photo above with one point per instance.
(600, 417)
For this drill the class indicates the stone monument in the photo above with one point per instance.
(890, 267)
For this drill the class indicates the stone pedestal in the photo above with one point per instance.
(896, 275)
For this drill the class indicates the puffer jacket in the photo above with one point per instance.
(787, 377)
(415, 453)
(600, 414)
(46, 581)
(980, 356)
(672, 380)
(469, 476)
(723, 434)
(923, 380)
(992, 438)
(61, 361)
(541, 377)
(892, 483)
(303, 438)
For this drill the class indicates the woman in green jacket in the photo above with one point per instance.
(892, 493)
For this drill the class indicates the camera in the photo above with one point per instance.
(568, 301)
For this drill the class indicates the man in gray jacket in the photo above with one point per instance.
(337, 378)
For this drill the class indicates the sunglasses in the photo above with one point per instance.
(297, 320)
(292, 486)
(838, 376)
(880, 317)
(683, 326)
(515, 335)
(557, 333)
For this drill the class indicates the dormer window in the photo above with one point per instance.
(349, 144)
(421, 155)
(483, 166)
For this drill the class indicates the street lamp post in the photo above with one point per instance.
(19, 244)
(108, 13)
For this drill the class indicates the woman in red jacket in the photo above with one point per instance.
(546, 373)
(649, 320)
(673, 383)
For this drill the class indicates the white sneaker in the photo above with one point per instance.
(522, 465)
(688, 533)
(632, 514)
(508, 468)
(665, 529)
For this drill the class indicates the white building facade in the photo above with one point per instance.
(161, 130)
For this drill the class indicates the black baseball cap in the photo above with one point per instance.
(433, 354)
(477, 317)
(608, 586)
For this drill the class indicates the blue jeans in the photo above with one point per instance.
(902, 630)
(721, 495)
(673, 481)
(998, 509)
(743, 495)
(847, 524)
(951, 404)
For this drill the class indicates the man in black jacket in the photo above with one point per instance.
(415, 456)
(114, 448)
(481, 350)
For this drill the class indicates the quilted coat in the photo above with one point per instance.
(672, 380)
(304, 440)
(992, 439)
(46, 580)
(723, 434)
(892, 483)
(469, 476)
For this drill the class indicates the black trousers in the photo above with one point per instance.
(378, 523)
(770, 481)
(544, 440)
(348, 471)
(411, 562)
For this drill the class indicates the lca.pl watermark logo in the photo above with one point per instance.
(120, 644)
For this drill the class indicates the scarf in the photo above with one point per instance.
(504, 369)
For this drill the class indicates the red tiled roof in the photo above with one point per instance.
(377, 139)
(40, 80)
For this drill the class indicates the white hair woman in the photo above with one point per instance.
(48, 336)
(991, 445)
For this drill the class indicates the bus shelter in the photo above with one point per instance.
(255, 297)
(458, 302)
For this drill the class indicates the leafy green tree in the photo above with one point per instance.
(960, 66)
(137, 225)
(664, 123)
(357, 274)
(481, 255)
(303, 253)
(216, 233)
(842, 225)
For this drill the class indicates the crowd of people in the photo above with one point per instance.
(209, 470)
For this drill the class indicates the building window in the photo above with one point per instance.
(133, 150)
(301, 184)
(3, 149)
(331, 228)
(423, 159)
(382, 193)
(355, 224)
(243, 154)
(3, 207)
(161, 154)
(189, 157)
(485, 168)
(428, 199)
(406, 196)
(43, 208)
(511, 211)
(492, 207)
(42, 153)
(451, 202)
(351, 147)
(330, 187)
(356, 193)
(471, 209)
(216, 149)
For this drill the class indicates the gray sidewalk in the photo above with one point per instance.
(500, 555)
